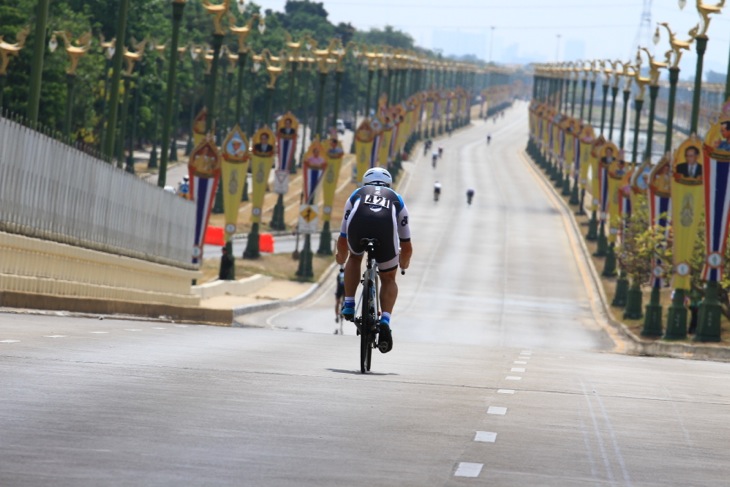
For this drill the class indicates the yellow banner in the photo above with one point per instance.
(688, 206)
(261, 162)
(586, 139)
(234, 171)
(333, 156)
(616, 172)
(595, 179)
(364, 137)
(385, 140)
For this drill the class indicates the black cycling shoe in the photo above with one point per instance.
(385, 339)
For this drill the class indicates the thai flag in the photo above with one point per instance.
(287, 148)
(659, 210)
(375, 149)
(603, 182)
(202, 191)
(716, 175)
(312, 176)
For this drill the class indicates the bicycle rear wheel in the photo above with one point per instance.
(367, 327)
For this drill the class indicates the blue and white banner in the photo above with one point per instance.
(716, 175)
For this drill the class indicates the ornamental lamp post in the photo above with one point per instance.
(708, 325)
(633, 294)
(177, 13)
(74, 56)
(699, 34)
(323, 61)
(159, 49)
(108, 51)
(195, 55)
(339, 52)
(653, 311)
(609, 268)
(294, 56)
(7, 50)
(130, 59)
(677, 313)
(602, 243)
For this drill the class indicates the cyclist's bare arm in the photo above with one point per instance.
(406, 250)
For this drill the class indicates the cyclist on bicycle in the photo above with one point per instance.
(436, 190)
(375, 211)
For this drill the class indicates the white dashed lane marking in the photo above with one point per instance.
(467, 469)
(520, 362)
(54, 336)
(513, 377)
(9, 341)
(100, 332)
(505, 391)
(517, 369)
(497, 410)
(485, 436)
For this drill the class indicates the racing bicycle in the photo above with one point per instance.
(369, 311)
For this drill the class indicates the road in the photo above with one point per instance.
(502, 373)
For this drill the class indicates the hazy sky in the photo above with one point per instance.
(536, 30)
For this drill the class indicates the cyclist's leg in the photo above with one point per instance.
(388, 290)
(352, 274)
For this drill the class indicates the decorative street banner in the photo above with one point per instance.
(606, 156)
(566, 148)
(660, 203)
(313, 168)
(364, 148)
(261, 161)
(234, 169)
(584, 155)
(286, 145)
(334, 154)
(596, 172)
(688, 208)
(616, 171)
(386, 137)
(199, 127)
(204, 167)
(717, 194)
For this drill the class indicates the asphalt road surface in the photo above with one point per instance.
(502, 373)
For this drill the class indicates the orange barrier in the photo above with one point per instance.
(266, 242)
(214, 236)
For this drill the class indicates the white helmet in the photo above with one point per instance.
(377, 176)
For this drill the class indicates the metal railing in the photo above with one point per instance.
(52, 191)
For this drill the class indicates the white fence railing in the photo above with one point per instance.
(51, 191)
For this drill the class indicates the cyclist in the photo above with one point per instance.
(436, 190)
(434, 156)
(469, 195)
(489, 138)
(441, 151)
(375, 211)
(183, 187)
(339, 296)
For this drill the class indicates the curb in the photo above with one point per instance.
(636, 345)
(282, 303)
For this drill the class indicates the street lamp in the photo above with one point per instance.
(159, 50)
(111, 128)
(177, 13)
(130, 59)
(677, 313)
(701, 37)
(7, 50)
(74, 55)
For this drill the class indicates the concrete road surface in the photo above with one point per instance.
(501, 374)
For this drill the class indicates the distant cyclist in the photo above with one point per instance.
(375, 211)
(339, 297)
(469, 195)
(434, 157)
(183, 187)
(441, 151)
(436, 190)
(489, 138)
